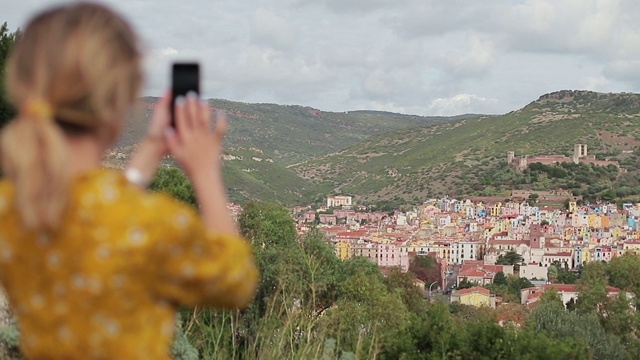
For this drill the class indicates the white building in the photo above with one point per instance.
(533, 271)
(464, 250)
(338, 200)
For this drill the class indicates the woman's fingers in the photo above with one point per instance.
(221, 124)
(205, 116)
(181, 114)
(193, 110)
(173, 141)
(160, 118)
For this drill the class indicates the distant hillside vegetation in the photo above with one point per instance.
(263, 139)
(296, 154)
(469, 156)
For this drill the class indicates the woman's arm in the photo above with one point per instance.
(152, 149)
(198, 149)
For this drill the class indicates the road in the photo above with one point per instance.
(450, 280)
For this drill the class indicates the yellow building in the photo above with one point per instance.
(586, 255)
(418, 247)
(573, 206)
(475, 296)
(631, 247)
(496, 209)
(343, 250)
(617, 232)
(442, 249)
(503, 225)
(567, 233)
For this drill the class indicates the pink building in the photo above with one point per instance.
(328, 219)
(309, 216)
(602, 253)
(390, 255)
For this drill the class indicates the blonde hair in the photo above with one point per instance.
(76, 68)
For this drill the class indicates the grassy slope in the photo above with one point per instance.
(437, 160)
(284, 134)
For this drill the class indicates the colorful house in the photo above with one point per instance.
(476, 296)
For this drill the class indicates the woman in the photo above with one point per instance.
(94, 266)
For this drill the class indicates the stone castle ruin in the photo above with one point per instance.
(580, 156)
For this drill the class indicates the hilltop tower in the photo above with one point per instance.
(579, 151)
(523, 163)
(510, 156)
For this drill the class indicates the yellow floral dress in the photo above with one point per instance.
(107, 283)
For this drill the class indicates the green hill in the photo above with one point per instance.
(457, 158)
(264, 139)
(296, 154)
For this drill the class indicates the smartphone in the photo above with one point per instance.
(185, 77)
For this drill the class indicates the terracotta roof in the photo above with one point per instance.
(558, 254)
(564, 288)
(507, 242)
(333, 228)
(351, 233)
(475, 289)
(472, 273)
(493, 268)
(472, 262)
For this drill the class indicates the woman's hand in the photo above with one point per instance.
(160, 122)
(198, 149)
(193, 144)
(153, 147)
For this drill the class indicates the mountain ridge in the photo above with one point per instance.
(296, 154)
(451, 158)
(263, 139)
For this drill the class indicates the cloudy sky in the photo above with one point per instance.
(426, 57)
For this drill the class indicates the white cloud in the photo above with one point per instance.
(415, 56)
(270, 29)
(475, 59)
(460, 104)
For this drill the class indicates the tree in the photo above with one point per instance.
(500, 278)
(466, 284)
(510, 258)
(425, 268)
(618, 318)
(592, 288)
(268, 225)
(173, 181)
(624, 273)
(516, 284)
(7, 40)
(552, 273)
(551, 296)
(562, 273)
(402, 283)
(367, 314)
(551, 318)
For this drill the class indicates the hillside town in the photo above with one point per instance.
(467, 237)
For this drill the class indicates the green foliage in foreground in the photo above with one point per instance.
(310, 305)
(172, 181)
(7, 39)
